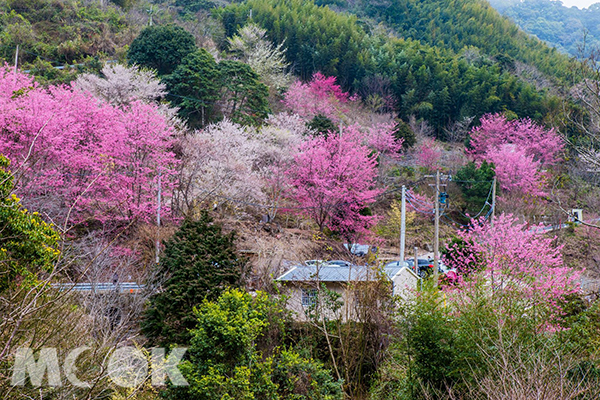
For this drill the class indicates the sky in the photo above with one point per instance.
(579, 3)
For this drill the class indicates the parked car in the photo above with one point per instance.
(312, 263)
(339, 263)
(425, 266)
(360, 250)
(397, 264)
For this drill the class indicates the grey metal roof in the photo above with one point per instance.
(303, 273)
(123, 287)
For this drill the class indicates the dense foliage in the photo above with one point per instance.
(198, 263)
(28, 245)
(194, 86)
(161, 47)
(235, 355)
(510, 325)
(465, 23)
(489, 345)
(52, 33)
(475, 183)
(422, 80)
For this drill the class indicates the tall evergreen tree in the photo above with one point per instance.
(161, 47)
(198, 263)
(243, 95)
(195, 82)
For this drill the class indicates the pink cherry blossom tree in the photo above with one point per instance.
(543, 144)
(517, 171)
(515, 257)
(379, 138)
(333, 180)
(428, 154)
(322, 95)
(79, 157)
(518, 149)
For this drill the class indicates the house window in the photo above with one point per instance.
(309, 297)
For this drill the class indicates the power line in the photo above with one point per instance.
(270, 206)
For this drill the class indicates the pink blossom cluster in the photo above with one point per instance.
(332, 180)
(516, 170)
(322, 95)
(518, 149)
(75, 152)
(379, 138)
(495, 130)
(428, 154)
(515, 258)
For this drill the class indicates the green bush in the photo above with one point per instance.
(198, 263)
(161, 47)
(483, 342)
(226, 361)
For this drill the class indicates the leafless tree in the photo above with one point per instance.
(420, 127)
(532, 75)
(587, 94)
(457, 131)
(51, 313)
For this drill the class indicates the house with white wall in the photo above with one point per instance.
(305, 284)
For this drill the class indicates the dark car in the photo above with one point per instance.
(425, 266)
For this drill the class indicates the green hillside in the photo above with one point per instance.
(440, 61)
(428, 81)
(562, 27)
(455, 24)
(53, 33)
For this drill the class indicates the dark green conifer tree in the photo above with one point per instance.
(161, 47)
(198, 263)
(195, 86)
(244, 98)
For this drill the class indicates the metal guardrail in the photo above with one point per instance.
(124, 287)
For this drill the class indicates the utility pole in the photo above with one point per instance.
(436, 240)
(417, 264)
(436, 243)
(403, 224)
(158, 217)
(150, 12)
(493, 202)
(16, 59)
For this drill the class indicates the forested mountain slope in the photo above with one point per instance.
(430, 82)
(456, 24)
(441, 61)
(563, 27)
